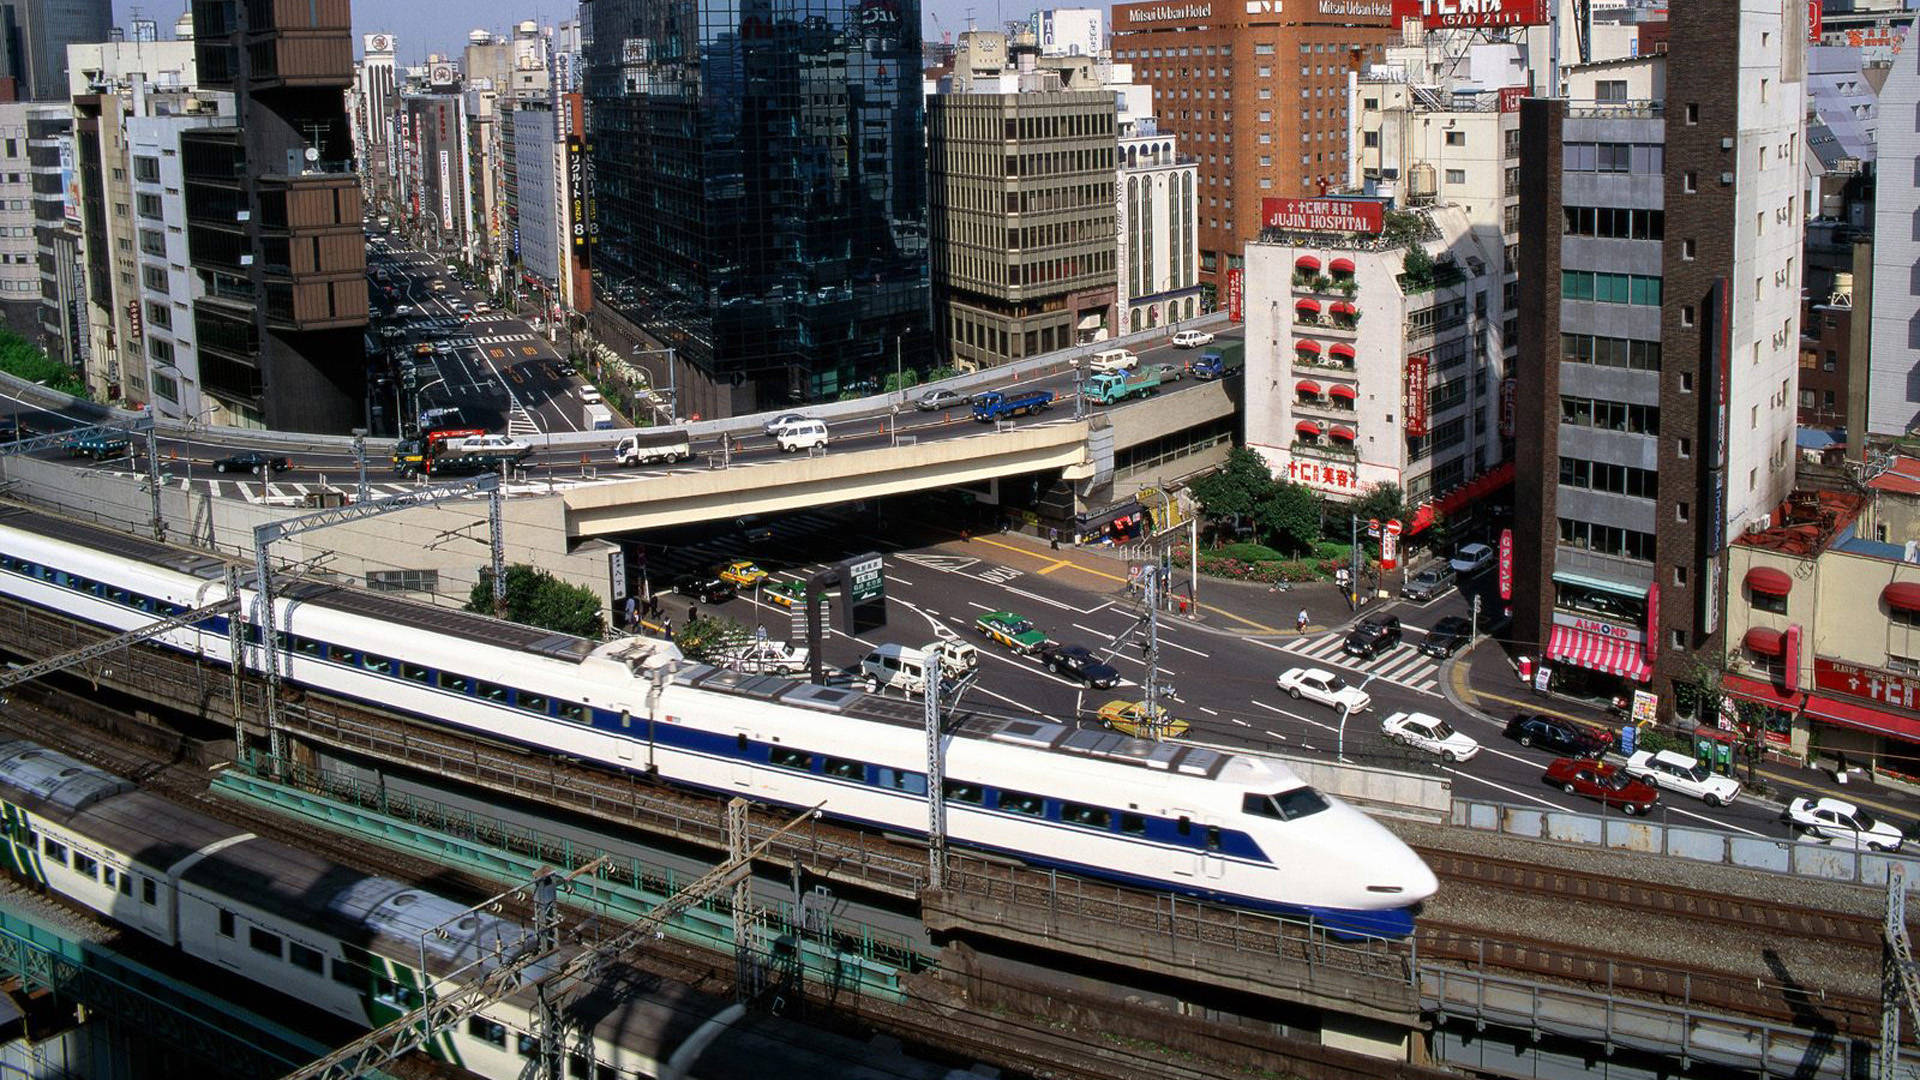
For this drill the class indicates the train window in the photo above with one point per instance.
(348, 974)
(86, 864)
(604, 1072)
(781, 757)
(415, 672)
(901, 780)
(569, 711)
(1185, 826)
(144, 603)
(118, 596)
(308, 647)
(1213, 838)
(740, 741)
(490, 691)
(226, 924)
(1091, 816)
(262, 941)
(339, 655)
(306, 959)
(380, 664)
(54, 850)
(578, 1066)
(1258, 806)
(1133, 824)
(388, 992)
(528, 1046)
(1298, 803)
(455, 683)
(126, 883)
(844, 769)
(487, 1031)
(110, 878)
(531, 702)
(1018, 802)
(962, 792)
(149, 891)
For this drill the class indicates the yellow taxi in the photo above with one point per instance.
(741, 573)
(1130, 718)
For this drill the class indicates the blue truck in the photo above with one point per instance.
(1208, 365)
(994, 405)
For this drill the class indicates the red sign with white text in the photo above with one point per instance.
(1236, 294)
(1871, 684)
(1324, 475)
(1512, 96)
(1324, 215)
(1473, 14)
(1813, 21)
(1506, 564)
(1414, 395)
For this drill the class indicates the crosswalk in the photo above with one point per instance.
(1402, 664)
(507, 339)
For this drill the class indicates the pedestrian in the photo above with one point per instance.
(1301, 622)
(693, 612)
(633, 614)
(966, 536)
(666, 629)
(1053, 537)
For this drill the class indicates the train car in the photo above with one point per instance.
(352, 943)
(1235, 828)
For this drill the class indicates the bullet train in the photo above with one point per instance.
(352, 943)
(1234, 828)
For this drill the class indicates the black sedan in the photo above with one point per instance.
(1560, 736)
(1446, 637)
(706, 588)
(1079, 662)
(253, 461)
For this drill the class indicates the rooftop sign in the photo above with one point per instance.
(1169, 13)
(1456, 14)
(1323, 215)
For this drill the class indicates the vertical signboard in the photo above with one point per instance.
(446, 192)
(1509, 399)
(577, 202)
(1390, 545)
(863, 593)
(617, 575)
(1413, 397)
(1236, 294)
(1506, 564)
(69, 181)
(1813, 21)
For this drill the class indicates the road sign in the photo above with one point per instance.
(864, 579)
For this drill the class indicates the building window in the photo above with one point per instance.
(155, 278)
(1606, 288)
(426, 581)
(1607, 415)
(1456, 176)
(1456, 138)
(148, 205)
(145, 169)
(1771, 603)
(1607, 539)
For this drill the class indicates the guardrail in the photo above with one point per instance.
(1778, 856)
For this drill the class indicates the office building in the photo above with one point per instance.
(34, 35)
(1660, 329)
(533, 199)
(274, 218)
(167, 286)
(1258, 94)
(374, 96)
(778, 241)
(56, 233)
(431, 184)
(1893, 393)
(19, 262)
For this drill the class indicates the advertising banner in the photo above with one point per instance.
(1506, 564)
(1509, 400)
(1324, 215)
(1413, 395)
(1236, 294)
(1474, 14)
(1512, 96)
(1869, 684)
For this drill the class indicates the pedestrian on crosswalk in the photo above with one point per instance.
(1301, 623)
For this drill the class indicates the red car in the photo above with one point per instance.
(1604, 781)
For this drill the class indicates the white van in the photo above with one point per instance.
(1113, 360)
(802, 435)
(905, 669)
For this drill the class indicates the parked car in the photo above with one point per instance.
(939, 398)
(1316, 684)
(705, 588)
(1560, 736)
(1838, 820)
(1471, 559)
(252, 461)
(1603, 781)
(1430, 733)
(1446, 637)
(1373, 637)
(1130, 718)
(1191, 339)
(772, 427)
(1077, 661)
(1428, 582)
(1678, 772)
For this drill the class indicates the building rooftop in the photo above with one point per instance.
(1902, 478)
(1808, 523)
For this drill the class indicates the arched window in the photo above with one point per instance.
(1135, 319)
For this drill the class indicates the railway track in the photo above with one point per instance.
(1657, 898)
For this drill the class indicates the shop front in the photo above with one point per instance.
(1870, 716)
(1598, 646)
(1114, 525)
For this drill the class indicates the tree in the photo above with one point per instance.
(709, 635)
(22, 359)
(1417, 265)
(537, 598)
(1383, 502)
(1289, 517)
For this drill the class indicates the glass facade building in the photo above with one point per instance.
(758, 188)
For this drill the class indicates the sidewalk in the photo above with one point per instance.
(1486, 681)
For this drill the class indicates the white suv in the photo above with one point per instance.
(1678, 772)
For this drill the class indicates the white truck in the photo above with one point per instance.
(649, 445)
(598, 417)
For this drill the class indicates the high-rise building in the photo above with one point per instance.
(1258, 94)
(274, 217)
(1893, 398)
(34, 35)
(375, 95)
(758, 185)
(431, 184)
(167, 286)
(1660, 283)
(532, 197)
(56, 233)
(19, 264)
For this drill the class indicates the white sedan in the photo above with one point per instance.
(1842, 822)
(1678, 772)
(1191, 339)
(1324, 687)
(1430, 733)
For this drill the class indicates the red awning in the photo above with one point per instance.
(1307, 427)
(1597, 653)
(1307, 386)
(1863, 716)
(1306, 262)
(1422, 520)
(1344, 434)
(1341, 307)
(1342, 390)
(1340, 349)
(1760, 691)
(1340, 266)
(1902, 595)
(1475, 489)
(1303, 345)
(1767, 581)
(1307, 303)
(1765, 642)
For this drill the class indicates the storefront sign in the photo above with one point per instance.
(1236, 294)
(1653, 612)
(1512, 96)
(1868, 684)
(1542, 678)
(133, 319)
(1506, 564)
(1813, 21)
(1365, 9)
(1324, 215)
(1587, 624)
(1324, 476)
(1413, 396)
(1646, 707)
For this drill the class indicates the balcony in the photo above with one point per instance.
(1322, 447)
(1336, 409)
(1336, 280)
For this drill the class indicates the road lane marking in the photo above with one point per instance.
(1210, 712)
(898, 580)
(1511, 791)
(1275, 734)
(1262, 627)
(1057, 565)
(1037, 598)
(1176, 645)
(1294, 716)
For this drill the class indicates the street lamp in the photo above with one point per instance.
(1079, 403)
(673, 389)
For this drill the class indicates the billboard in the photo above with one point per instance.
(1236, 294)
(1324, 215)
(1413, 396)
(446, 192)
(1474, 14)
(1512, 96)
(1870, 684)
(1506, 564)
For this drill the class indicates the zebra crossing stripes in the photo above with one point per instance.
(1402, 664)
(507, 339)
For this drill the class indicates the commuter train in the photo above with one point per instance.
(352, 943)
(1234, 828)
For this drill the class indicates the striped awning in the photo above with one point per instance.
(1597, 653)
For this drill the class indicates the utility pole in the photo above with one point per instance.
(360, 457)
(1193, 558)
(1353, 583)
(936, 776)
(1150, 583)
